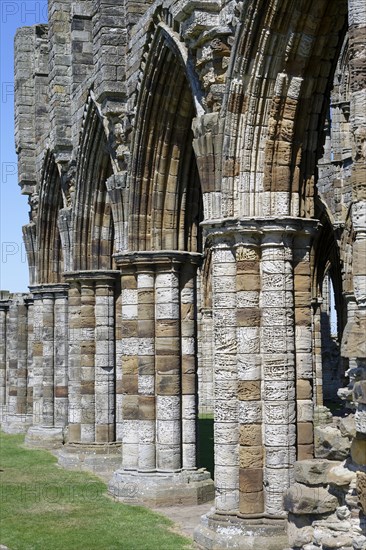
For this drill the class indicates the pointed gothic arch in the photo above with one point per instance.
(166, 193)
(49, 254)
(92, 220)
(283, 65)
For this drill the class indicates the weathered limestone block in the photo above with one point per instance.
(312, 472)
(329, 539)
(347, 426)
(300, 531)
(359, 392)
(361, 490)
(300, 499)
(360, 419)
(329, 443)
(340, 475)
(322, 416)
(358, 451)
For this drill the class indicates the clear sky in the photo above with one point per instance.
(13, 206)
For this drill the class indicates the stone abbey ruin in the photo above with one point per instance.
(196, 173)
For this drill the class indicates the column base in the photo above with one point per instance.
(44, 437)
(222, 531)
(99, 458)
(162, 488)
(16, 423)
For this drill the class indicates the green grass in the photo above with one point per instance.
(44, 507)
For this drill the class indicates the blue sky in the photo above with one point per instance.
(13, 206)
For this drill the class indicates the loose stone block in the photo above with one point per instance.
(358, 451)
(300, 499)
(312, 472)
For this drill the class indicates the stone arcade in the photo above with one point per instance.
(196, 174)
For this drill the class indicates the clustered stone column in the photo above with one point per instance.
(188, 316)
(306, 375)
(205, 362)
(91, 439)
(145, 379)
(258, 295)
(168, 382)
(278, 356)
(354, 343)
(158, 380)
(16, 417)
(49, 368)
(4, 306)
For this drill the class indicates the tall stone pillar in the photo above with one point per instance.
(16, 415)
(127, 398)
(144, 381)
(86, 403)
(60, 315)
(188, 316)
(168, 383)
(91, 443)
(74, 354)
(159, 410)
(205, 362)
(30, 334)
(105, 429)
(49, 366)
(262, 338)
(4, 307)
(304, 340)
(354, 342)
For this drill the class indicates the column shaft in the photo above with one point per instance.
(251, 455)
(104, 362)
(168, 383)
(87, 362)
(146, 368)
(48, 359)
(188, 297)
(304, 348)
(129, 382)
(30, 336)
(225, 379)
(37, 360)
(74, 358)
(60, 360)
(3, 321)
(277, 347)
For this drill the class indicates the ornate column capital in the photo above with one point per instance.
(160, 258)
(92, 275)
(55, 290)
